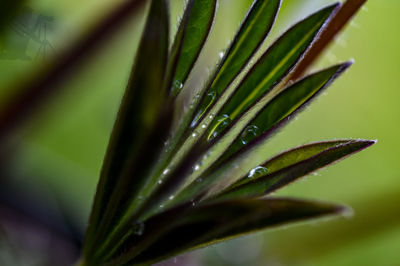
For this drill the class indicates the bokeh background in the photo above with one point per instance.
(54, 160)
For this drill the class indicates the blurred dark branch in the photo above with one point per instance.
(33, 94)
(334, 26)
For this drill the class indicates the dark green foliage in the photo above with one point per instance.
(254, 30)
(214, 222)
(192, 33)
(137, 126)
(150, 204)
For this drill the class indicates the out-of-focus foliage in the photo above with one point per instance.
(67, 156)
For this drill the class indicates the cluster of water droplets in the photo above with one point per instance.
(257, 172)
(249, 133)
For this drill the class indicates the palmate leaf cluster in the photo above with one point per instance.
(163, 188)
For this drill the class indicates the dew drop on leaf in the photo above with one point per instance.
(257, 172)
(210, 97)
(196, 167)
(178, 85)
(195, 100)
(221, 123)
(166, 171)
(221, 55)
(249, 133)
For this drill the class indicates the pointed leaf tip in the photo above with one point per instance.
(291, 165)
(271, 68)
(192, 34)
(213, 222)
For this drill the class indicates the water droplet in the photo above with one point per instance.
(161, 206)
(171, 197)
(221, 123)
(196, 167)
(199, 180)
(159, 181)
(211, 116)
(196, 118)
(203, 125)
(210, 97)
(221, 55)
(249, 133)
(257, 172)
(178, 85)
(138, 228)
(166, 171)
(194, 101)
(195, 134)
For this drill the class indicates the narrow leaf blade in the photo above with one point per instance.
(218, 221)
(332, 29)
(189, 41)
(280, 177)
(286, 103)
(142, 106)
(254, 29)
(262, 12)
(272, 67)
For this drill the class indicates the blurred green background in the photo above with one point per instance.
(63, 147)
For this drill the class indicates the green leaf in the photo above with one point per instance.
(136, 127)
(283, 105)
(333, 27)
(275, 55)
(273, 66)
(189, 41)
(253, 31)
(291, 165)
(279, 110)
(214, 222)
(248, 39)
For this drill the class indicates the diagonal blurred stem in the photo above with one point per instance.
(34, 93)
